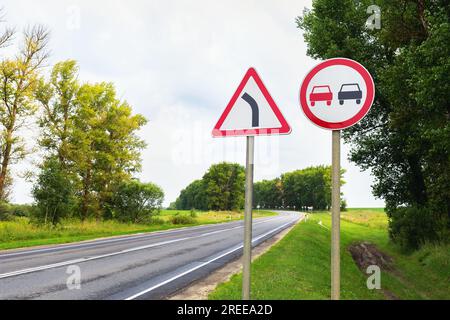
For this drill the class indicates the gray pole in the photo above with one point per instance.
(248, 219)
(335, 215)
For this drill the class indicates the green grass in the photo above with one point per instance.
(21, 233)
(298, 267)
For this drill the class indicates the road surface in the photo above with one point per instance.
(145, 266)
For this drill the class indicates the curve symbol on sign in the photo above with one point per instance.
(255, 110)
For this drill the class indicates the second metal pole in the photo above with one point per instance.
(335, 215)
(247, 259)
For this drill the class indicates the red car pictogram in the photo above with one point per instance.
(321, 93)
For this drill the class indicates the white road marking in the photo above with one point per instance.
(124, 238)
(80, 260)
(202, 264)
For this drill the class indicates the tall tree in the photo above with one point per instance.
(309, 187)
(57, 98)
(92, 134)
(225, 187)
(136, 201)
(268, 194)
(18, 78)
(53, 193)
(105, 149)
(193, 197)
(221, 188)
(405, 139)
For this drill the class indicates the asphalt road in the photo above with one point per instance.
(146, 266)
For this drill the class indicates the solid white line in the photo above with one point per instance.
(202, 264)
(122, 238)
(70, 262)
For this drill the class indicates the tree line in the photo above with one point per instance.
(405, 139)
(88, 141)
(300, 189)
(223, 188)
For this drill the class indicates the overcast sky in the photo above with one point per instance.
(178, 63)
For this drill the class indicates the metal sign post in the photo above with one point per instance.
(335, 215)
(248, 218)
(251, 112)
(336, 94)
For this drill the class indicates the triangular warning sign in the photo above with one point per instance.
(251, 111)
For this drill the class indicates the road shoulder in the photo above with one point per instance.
(199, 290)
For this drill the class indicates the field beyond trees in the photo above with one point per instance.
(298, 267)
(19, 232)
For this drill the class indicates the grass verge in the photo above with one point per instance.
(298, 267)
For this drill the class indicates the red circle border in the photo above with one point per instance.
(356, 118)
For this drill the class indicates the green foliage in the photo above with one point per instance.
(18, 232)
(136, 202)
(18, 79)
(193, 196)
(193, 214)
(9, 211)
(57, 99)
(53, 193)
(221, 188)
(182, 219)
(172, 206)
(5, 215)
(268, 193)
(405, 139)
(310, 187)
(155, 220)
(413, 227)
(224, 183)
(93, 135)
(343, 205)
(105, 147)
(298, 267)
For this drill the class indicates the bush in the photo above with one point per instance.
(137, 202)
(343, 205)
(193, 214)
(412, 227)
(20, 210)
(4, 212)
(53, 193)
(182, 219)
(156, 221)
(8, 211)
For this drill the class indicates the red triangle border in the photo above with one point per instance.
(284, 129)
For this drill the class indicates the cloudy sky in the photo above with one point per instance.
(178, 63)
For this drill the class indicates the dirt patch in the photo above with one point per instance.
(201, 289)
(366, 254)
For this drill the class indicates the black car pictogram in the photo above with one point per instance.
(350, 91)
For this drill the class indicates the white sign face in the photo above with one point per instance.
(240, 117)
(251, 111)
(337, 93)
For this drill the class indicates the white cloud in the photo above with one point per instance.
(178, 63)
